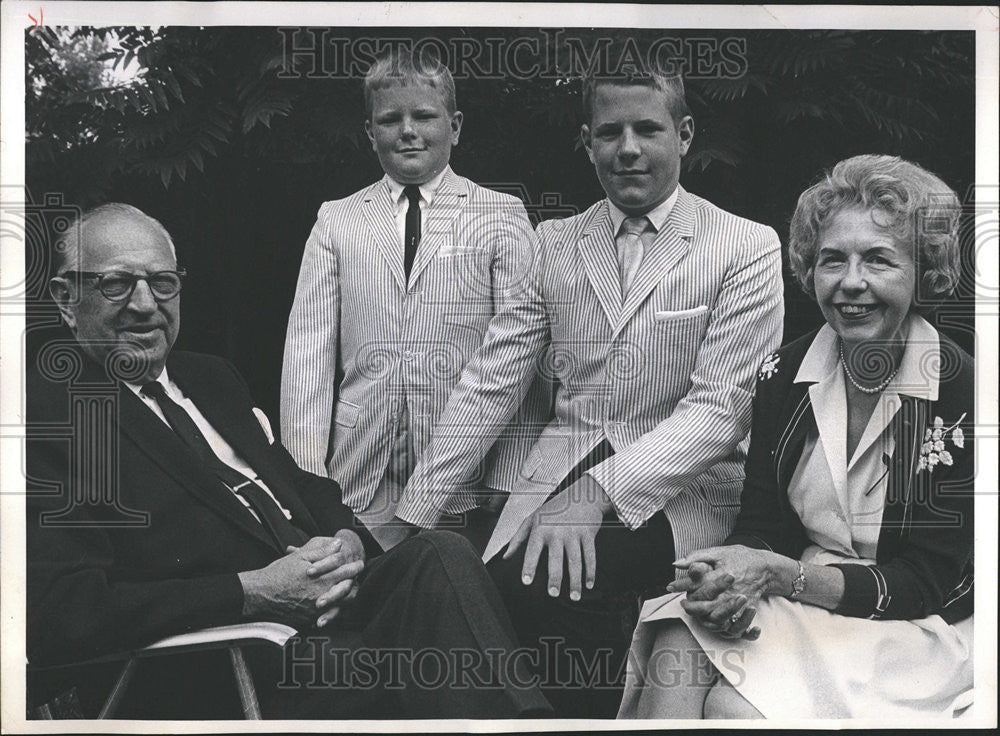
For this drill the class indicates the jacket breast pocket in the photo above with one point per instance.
(668, 315)
(679, 332)
(460, 278)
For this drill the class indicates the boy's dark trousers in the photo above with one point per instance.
(582, 646)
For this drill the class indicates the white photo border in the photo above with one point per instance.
(18, 15)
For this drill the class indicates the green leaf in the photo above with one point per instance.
(172, 85)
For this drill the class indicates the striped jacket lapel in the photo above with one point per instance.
(438, 220)
(379, 211)
(669, 246)
(597, 251)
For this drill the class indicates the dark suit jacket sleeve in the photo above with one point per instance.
(79, 608)
(322, 497)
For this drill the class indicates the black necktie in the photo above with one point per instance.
(411, 238)
(282, 530)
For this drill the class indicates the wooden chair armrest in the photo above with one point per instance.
(218, 637)
(231, 637)
(215, 637)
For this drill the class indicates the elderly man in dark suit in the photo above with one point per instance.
(172, 508)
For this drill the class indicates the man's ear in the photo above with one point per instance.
(62, 295)
(685, 133)
(585, 140)
(369, 133)
(456, 126)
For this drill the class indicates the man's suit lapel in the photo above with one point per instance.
(597, 252)
(437, 226)
(379, 211)
(165, 448)
(669, 246)
(243, 434)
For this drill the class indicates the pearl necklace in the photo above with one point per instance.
(858, 386)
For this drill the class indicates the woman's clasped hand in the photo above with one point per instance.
(724, 585)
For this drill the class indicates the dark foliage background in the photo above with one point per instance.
(205, 134)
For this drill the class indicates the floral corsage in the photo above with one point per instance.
(934, 450)
(769, 367)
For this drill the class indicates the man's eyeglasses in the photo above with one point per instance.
(117, 286)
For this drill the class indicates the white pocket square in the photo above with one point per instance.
(667, 315)
(264, 424)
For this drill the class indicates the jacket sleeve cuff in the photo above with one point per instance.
(423, 515)
(220, 600)
(372, 548)
(861, 591)
(611, 481)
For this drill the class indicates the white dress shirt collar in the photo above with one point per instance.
(427, 189)
(163, 379)
(917, 376)
(657, 216)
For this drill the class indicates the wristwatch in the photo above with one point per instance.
(799, 584)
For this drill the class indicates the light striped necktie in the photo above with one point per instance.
(630, 249)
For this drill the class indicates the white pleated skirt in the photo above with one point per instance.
(811, 663)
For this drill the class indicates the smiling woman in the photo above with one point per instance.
(864, 278)
(848, 576)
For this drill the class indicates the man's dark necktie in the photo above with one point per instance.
(411, 238)
(282, 530)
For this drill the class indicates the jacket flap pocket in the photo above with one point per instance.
(530, 463)
(346, 413)
(723, 493)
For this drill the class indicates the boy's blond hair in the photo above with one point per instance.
(402, 68)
